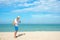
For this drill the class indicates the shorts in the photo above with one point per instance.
(16, 28)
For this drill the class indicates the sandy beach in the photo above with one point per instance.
(42, 35)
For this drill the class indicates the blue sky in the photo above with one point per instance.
(30, 11)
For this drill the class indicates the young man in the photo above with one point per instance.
(16, 23)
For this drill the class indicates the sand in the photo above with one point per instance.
(41, 35)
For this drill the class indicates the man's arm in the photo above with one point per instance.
(19, 21)
(14, 23)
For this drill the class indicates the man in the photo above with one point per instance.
(16, 23)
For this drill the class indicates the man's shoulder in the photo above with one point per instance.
(14, 19)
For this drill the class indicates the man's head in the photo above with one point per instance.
(18, 17)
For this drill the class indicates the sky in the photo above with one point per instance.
(30, 11)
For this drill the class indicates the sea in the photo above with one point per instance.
(30, 27)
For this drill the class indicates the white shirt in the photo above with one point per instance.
(16, 22)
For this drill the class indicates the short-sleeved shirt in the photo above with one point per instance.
(16, 22)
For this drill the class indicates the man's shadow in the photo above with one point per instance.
(20, 35)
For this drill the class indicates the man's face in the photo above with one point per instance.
(18, 18)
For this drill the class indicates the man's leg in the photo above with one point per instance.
(15, 34)
(16, 30)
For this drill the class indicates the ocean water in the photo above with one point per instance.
(30, 27)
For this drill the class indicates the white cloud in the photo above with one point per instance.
(35, 3)
(45, 16)
(43, 19)
(41, 5)
(20, 2)
(6, 2)
(16, 11)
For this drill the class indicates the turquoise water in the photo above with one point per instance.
(30, 27)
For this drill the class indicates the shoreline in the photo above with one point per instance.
(33, 31)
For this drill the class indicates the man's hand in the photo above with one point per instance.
(19, 21)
